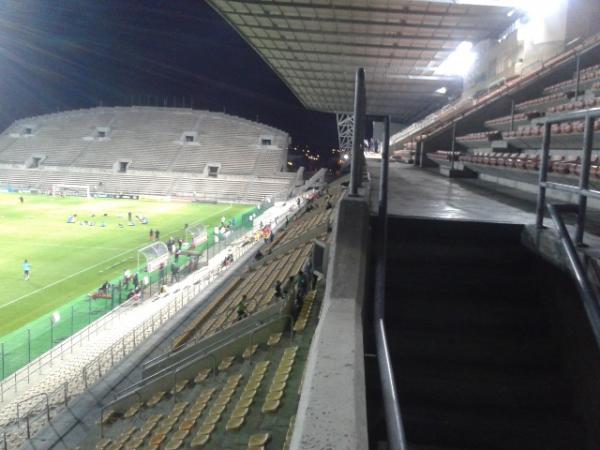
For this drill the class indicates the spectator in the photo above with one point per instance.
(278, 289)
(241, 308)
(301, 284)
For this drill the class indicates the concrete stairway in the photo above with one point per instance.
(477, 359)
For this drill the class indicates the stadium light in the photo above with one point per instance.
(441, 90)
(459, 62)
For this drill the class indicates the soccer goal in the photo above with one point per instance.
(71, 190)
(155, 255)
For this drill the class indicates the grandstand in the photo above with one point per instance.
(149, 151)
(457, 298)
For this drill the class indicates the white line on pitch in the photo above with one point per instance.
(88, 268)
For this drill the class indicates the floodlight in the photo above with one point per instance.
(459, 62)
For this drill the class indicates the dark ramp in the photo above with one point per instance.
(482, 337)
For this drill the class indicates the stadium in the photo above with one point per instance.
(169, 283)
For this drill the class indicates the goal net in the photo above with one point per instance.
(197, 234)
(71, 190)
(155, 255)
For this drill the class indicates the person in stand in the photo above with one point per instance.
(26, 269)
(241, 308)
(151, 235)
(157, 235)
(301, 284)
(136, 280)
(278, 290)
(180, 243)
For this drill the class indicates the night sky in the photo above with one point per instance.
(59, 55)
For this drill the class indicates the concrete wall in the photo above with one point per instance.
(332, 410)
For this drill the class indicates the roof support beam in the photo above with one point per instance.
(403, 11)
(333, 21)
(394, 35)
(362, 56)
(361, 44)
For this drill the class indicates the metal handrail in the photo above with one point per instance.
(584, 286)
(582, 190)
(393, 417)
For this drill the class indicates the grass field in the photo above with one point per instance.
(69, 260)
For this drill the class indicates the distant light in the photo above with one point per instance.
(441, 90)
(459, 62)
(55, 317)
(346, 157)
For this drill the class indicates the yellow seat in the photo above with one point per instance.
(250, 351)
(200, 440)
(290, 350)
(233, 380)
(281, 378)
(109, 417)
(158, 439)
(235, 423)
(155, 399)
(239, 411)
(102, 444)
(285, 364)
(245, 402)
(283, 370)
(260, 370)
(252, 385)
(257, 375)
(180, 386)
(173, 444)
(275, 395)
(274, 339)
(212, 418)
(180, 435)
(221, 401)
(270, 406)
(180, 407)
(132, 410)
(207, 428)
(275, 387)
(188, 423)
(227, 390)
(258, 439)
(202, 375)
(248, 393)
(226, 363)
(262, 365)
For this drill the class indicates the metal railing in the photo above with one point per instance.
(95, 370)
(586, 291)
(393, 417)
(583, 190)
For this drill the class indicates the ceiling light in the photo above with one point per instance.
(441, 90)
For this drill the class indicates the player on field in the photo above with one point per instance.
(26, 269)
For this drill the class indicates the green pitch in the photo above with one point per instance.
(69, 260)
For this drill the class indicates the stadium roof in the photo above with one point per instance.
(315, 47)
